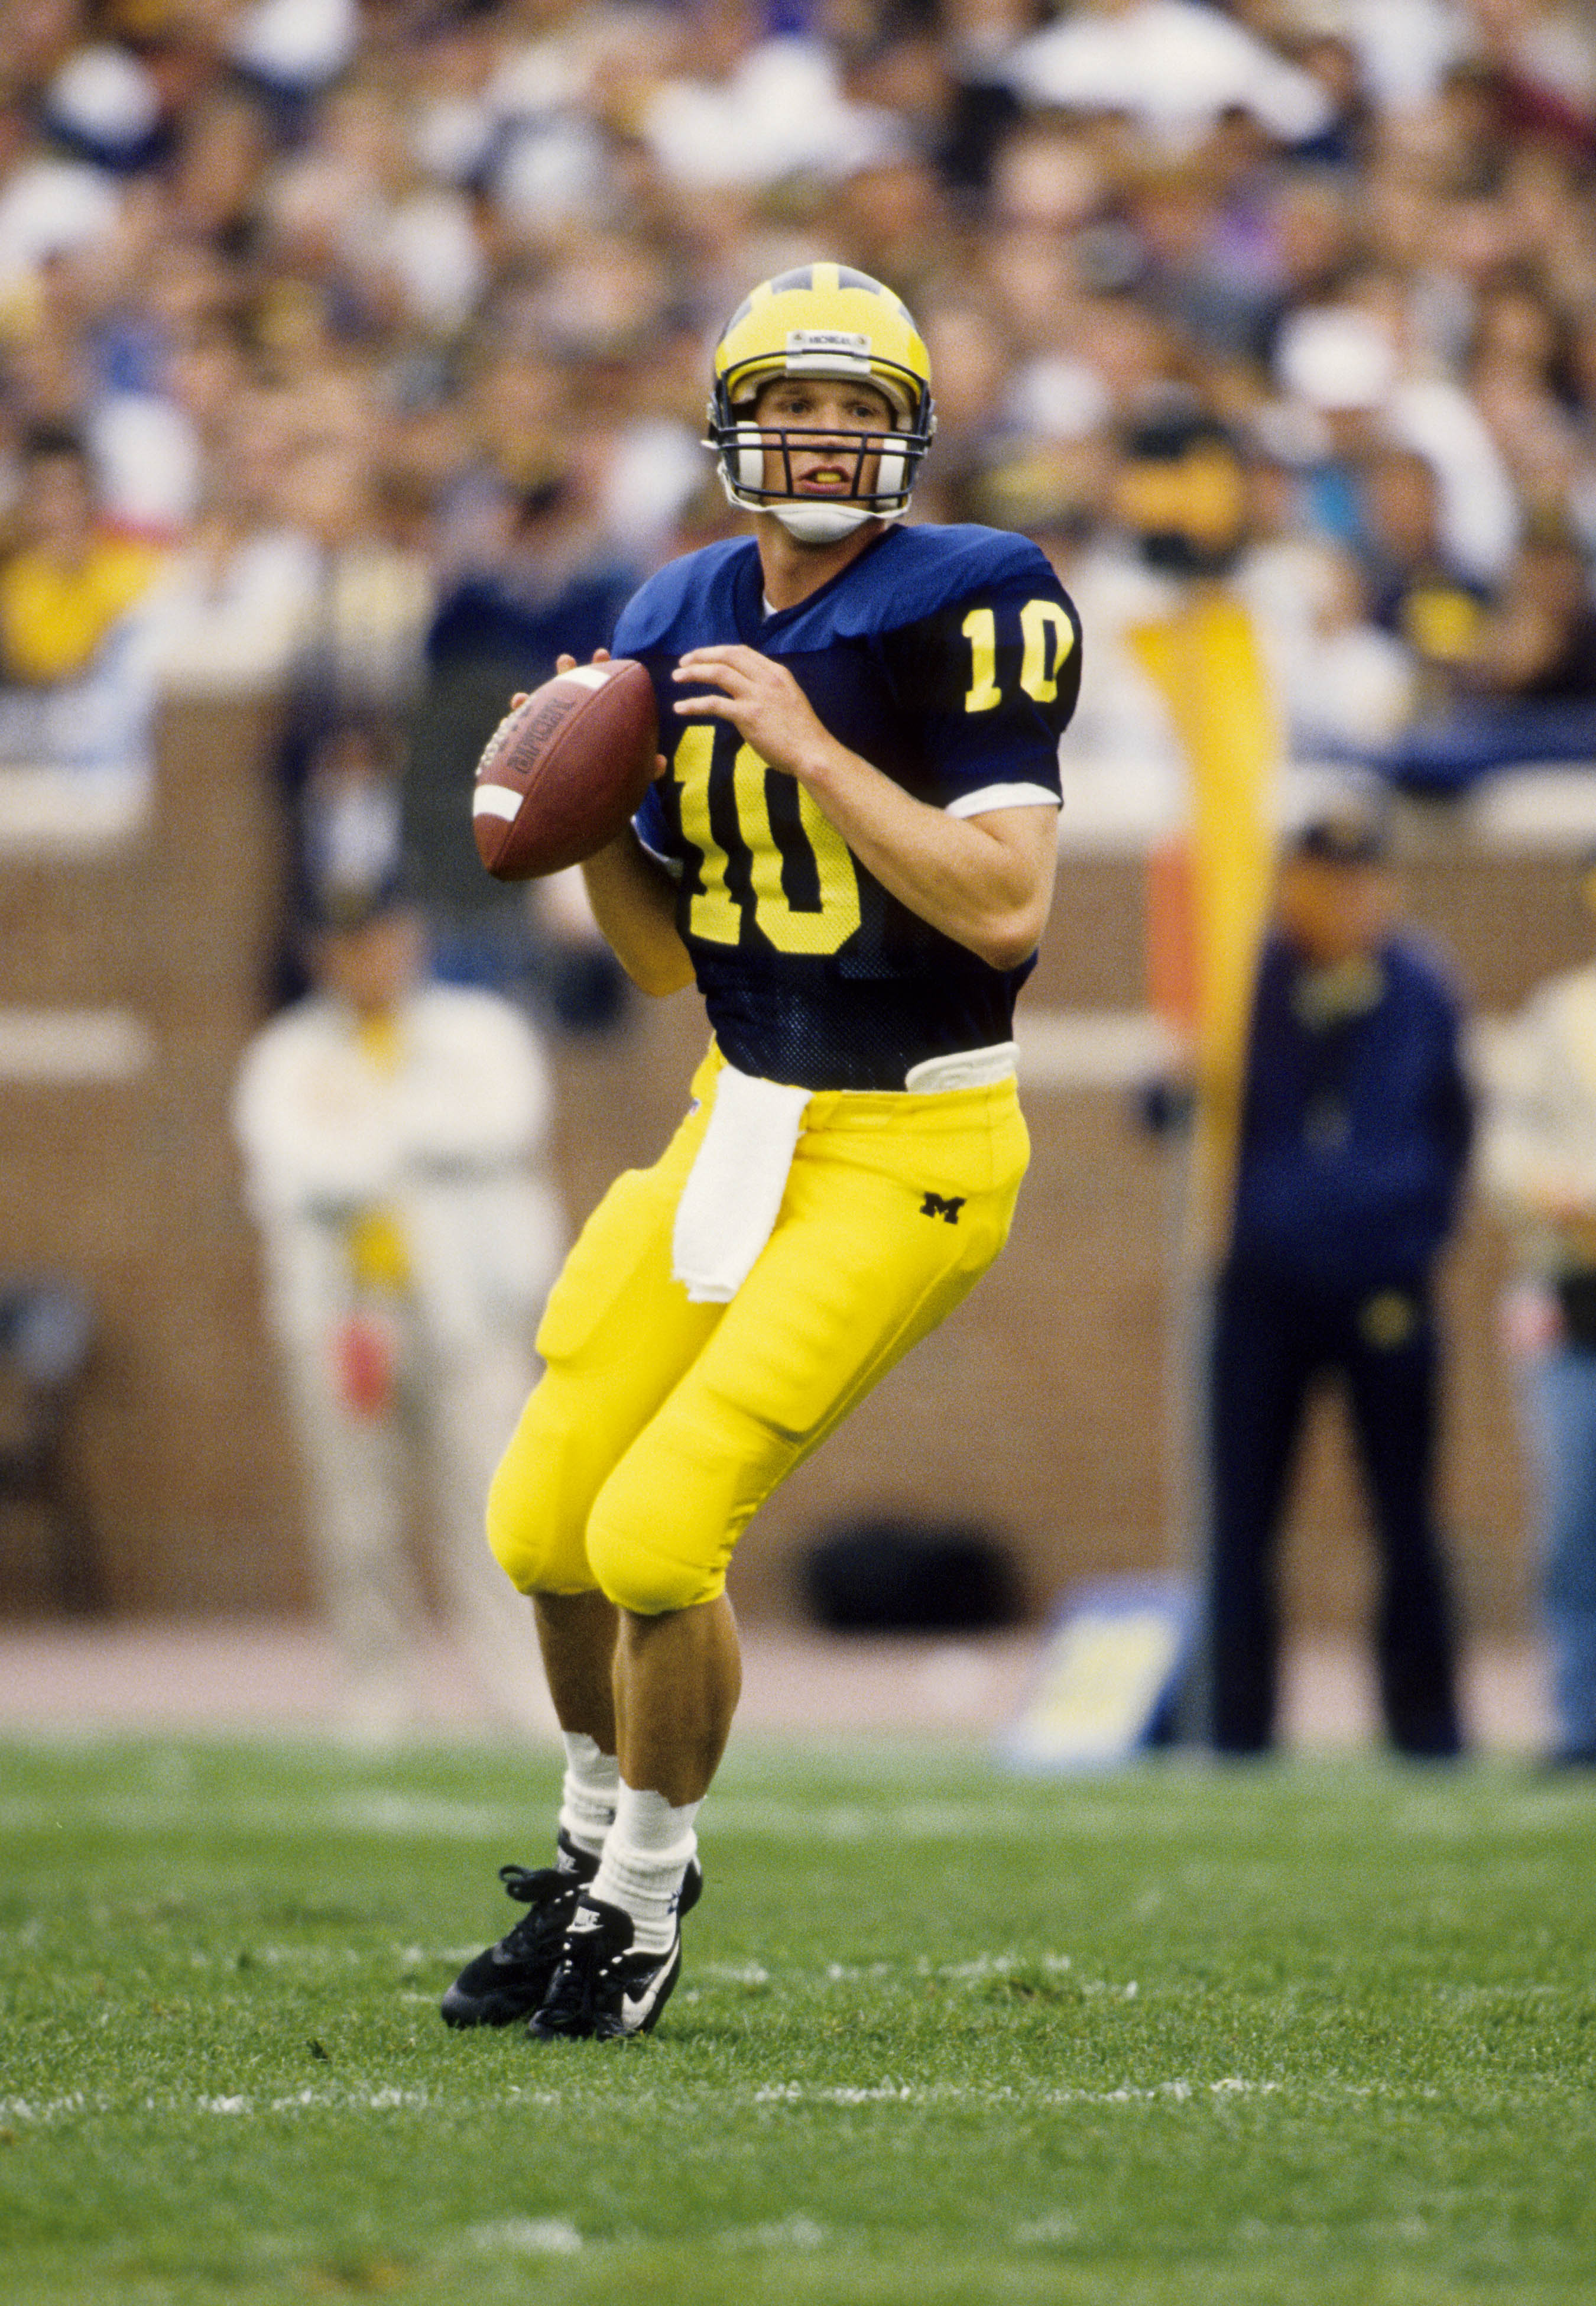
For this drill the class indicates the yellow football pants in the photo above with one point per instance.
(659, 1426)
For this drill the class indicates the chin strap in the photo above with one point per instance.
(823, 524)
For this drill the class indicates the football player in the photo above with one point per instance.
(850, 847)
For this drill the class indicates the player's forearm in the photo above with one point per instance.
(987, 883)
(984, 882)
(634, 903)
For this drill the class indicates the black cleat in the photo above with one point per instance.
(602, 1990)
(511, 1979)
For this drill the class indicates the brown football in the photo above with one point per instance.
(562, 774)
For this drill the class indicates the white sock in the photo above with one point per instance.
(646, 1853)
(587, 1800)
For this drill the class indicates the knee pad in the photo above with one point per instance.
(648, 1569)
(527, 1541)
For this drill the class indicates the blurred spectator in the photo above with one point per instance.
(1404, 47)
(294, 49)
(756, 106)
(392, 1132)
(231, 614)
(1539, 60)
(75, 681)
(1174, 67)
(1524, 689)
(1537, 643)
(1353, 1137)
(358, 584)
(1539, 1165)
(1416, 592)
(1344, 686)
(350, 811)
(50, 206)
(361, 645)
(1204, 267)
(1355, 367)
(1333, 61)
(68, 584)
(554, 583)
(543, 578)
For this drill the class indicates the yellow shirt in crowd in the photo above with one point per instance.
(52, 620)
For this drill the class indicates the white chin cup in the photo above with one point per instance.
(820, 524)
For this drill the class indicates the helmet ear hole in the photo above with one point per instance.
(748, 457)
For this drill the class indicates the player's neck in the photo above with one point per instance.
(792, 571)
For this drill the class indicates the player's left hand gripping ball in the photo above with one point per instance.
(563, 773)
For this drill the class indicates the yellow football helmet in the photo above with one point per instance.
(821, 321)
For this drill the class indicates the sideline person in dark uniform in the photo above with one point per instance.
(1355, 1135)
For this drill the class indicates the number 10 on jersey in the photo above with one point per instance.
(1048, 638)
(802, 889)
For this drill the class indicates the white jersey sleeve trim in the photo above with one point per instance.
(991, 796)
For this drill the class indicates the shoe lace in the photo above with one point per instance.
(551, 1896)
(590, 1959)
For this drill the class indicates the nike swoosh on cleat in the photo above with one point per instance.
(635, 2011)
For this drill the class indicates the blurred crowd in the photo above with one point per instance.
(361, 345)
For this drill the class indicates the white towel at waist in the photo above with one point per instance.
(729, 1203)
(733, 1193)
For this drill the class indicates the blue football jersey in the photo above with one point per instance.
(950, 659)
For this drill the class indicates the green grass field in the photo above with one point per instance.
(1322, 2032)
